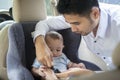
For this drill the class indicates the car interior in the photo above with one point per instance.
(21, 50)
(17, 50)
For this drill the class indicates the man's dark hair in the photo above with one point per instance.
(81, 7)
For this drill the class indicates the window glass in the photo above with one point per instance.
(111, 1)
(5, 4)
(49, 7)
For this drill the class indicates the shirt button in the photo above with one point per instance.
(104, 57)
(98, 53)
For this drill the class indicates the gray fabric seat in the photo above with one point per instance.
(17, 56)
(20, 56)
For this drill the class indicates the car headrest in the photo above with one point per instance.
(116, 56)
(29, 10)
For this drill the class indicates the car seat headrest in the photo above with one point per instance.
(116, 56)
(29, 10)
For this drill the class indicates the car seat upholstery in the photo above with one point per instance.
(4, 47)
(4, 44)
(3, 52)
(3, 24)
(19, 55)
(21, 48)
(21, 51)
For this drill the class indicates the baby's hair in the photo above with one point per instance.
(54, 35)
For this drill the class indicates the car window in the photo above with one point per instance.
(5, 4)
(110, 1)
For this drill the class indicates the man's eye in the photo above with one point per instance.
(75, 23)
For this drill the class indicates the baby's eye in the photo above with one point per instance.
(51, 49)
(58, 50)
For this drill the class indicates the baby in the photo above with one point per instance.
(62, 66)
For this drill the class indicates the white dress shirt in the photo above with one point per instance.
(108, 34)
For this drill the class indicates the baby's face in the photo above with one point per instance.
(56, 47)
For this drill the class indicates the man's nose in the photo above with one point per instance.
(73, 28)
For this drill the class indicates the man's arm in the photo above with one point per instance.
(43, 53)
(74, 72)
(54, 23)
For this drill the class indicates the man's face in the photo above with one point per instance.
(81, 25)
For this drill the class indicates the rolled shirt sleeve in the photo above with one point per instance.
(54, 23)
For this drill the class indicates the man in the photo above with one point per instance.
(99, 26)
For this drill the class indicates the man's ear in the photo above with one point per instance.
(95, 12)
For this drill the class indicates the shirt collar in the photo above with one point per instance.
(103, 23)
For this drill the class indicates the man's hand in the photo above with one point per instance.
(79, 65)
(43, 53)
(74, 72)
(50, 75)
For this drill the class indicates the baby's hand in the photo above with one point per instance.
(41, 72)
(75, 65)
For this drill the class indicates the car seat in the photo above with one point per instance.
(3, 52)
(4, 23)
(4, 47)
(21, 51)
(20, 56)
